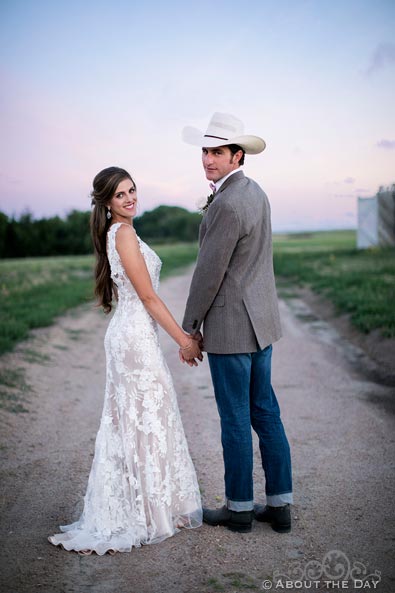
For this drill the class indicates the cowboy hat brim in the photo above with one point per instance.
(250, 144)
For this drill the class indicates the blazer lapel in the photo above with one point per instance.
(234, 177)
(231, 179)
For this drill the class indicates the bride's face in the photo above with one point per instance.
(123, 204)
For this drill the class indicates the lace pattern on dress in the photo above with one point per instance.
(142, 486)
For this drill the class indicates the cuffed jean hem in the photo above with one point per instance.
(240, 505)
(279, 500)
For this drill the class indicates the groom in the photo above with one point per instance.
(233, 295)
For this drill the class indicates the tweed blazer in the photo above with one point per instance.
(233, 292)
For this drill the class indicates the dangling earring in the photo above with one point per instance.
(109, 214)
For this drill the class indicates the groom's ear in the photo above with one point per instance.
(237, 156)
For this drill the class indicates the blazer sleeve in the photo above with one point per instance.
(217, 247)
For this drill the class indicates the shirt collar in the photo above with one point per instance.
(221, 181)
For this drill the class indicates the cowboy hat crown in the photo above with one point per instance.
(224, 129)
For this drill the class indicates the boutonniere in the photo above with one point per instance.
(204, 203)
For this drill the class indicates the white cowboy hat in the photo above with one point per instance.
(222, 130)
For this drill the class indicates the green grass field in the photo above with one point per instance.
(359, 282)
(34, 291)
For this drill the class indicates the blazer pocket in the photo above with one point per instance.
(219, 301)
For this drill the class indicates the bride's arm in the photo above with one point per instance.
(136, 269)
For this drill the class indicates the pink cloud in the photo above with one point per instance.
(386, 144)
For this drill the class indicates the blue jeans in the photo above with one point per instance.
(245, 398)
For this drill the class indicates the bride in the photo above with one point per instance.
(142, 486)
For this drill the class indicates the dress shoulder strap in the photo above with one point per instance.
(114, 227)
(112, 231)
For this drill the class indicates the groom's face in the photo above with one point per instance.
(219, 161)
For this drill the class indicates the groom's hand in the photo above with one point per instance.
(191, 351)
(199, 338)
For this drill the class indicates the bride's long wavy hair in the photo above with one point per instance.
(104, 187)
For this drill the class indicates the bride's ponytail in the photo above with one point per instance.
(104, 186)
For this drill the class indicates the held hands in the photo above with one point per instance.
(192, 349)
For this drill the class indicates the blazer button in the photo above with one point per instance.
(194, 325)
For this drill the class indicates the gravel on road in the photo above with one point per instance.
(339, 423)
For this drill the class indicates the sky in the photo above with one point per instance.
(86, 85)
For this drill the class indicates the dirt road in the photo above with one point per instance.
(340, 426)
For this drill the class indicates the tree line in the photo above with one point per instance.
(28, 237)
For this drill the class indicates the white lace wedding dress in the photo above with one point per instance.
(142, 486)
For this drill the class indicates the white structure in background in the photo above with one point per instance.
(376, 219)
